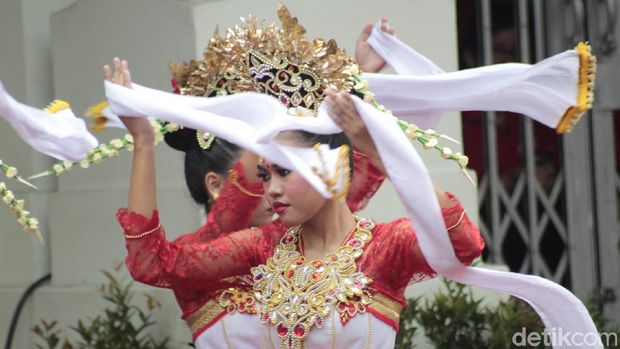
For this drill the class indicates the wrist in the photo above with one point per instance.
(144, 141)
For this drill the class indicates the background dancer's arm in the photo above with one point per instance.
(151, 258)
(142, 188)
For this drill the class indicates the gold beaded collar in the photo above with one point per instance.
(296, 295)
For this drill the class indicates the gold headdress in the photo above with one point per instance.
(279, 62)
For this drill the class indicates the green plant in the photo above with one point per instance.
(509, 317)
(407, 327)
(48, 333)
(123, 325)
(453, 319)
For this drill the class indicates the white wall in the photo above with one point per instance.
(60, 55)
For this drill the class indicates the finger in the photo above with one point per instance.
(364, 34)
(330, 110)
(107, 72)
(336, 108)
(392, 31)
(117, 70)
(126, 79)
(348, 107)
(330, 92)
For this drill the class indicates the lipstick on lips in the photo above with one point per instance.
(279, 207)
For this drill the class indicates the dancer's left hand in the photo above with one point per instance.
(343, 112)
(365, 55)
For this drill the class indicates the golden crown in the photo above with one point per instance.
(279, 62)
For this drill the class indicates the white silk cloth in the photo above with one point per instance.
(422, 91)
(232, 118)
(60, 135)
(249, 118)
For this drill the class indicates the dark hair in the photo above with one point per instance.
(333, 140)
(219, 158)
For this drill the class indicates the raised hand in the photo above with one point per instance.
(343, 112)
(139, 128)
(365, 55)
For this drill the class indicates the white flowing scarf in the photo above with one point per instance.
(252, 120)
(544, 91)
(58, 134)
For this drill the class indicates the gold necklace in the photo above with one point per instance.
(296, 295)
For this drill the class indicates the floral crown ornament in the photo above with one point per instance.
(277, 61)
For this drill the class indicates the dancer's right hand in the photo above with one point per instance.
(139, 128)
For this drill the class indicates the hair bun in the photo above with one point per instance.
(182, 139)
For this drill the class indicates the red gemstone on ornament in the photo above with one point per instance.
(265, 318)
(282, 330)
(299, 331)
(289, 238)
(316, 277)
(284, 100)
(299, 261)
(334, 258)
(358, 284)
(258, 277)
(317, 264)
(290, 273)
(319, 322)
(282, 75)
(351, 309)
(341, 307)
(355, 243)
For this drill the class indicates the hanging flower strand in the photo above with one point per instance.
(12, 173)
(428, 138)
(109, 150)
(30, 224)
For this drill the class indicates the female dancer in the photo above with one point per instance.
(344, 270)
(233, 201)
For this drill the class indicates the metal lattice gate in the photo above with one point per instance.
(549, 203)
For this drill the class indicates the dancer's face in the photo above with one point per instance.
(289, 194)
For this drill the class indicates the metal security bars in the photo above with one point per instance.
(549, 203)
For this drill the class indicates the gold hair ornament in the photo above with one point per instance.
(205, 139)
(342, 171)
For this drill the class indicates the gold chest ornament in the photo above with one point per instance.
(295, 294)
